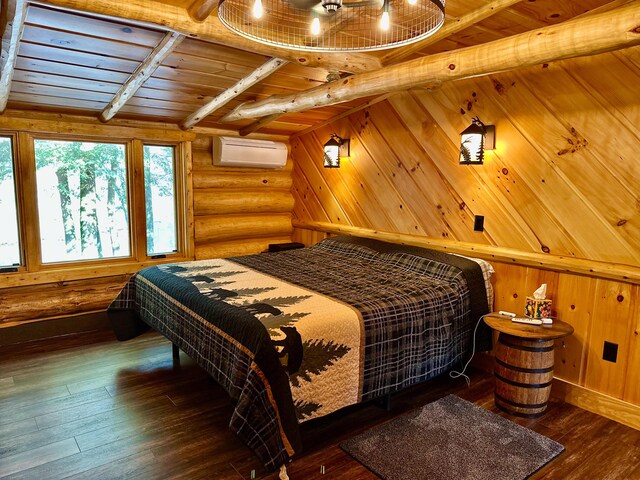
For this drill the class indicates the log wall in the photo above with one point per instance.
(234, 211)
(564, 181)
(238, 211)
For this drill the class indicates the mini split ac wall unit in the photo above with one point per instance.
(248, 152)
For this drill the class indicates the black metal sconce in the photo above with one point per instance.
(334, 149)
(476, 138)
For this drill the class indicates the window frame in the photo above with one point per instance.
(179, 184)
(128, 167)
(17, 185)
(33, 270)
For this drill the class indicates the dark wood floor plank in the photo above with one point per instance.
(121, 469)
(151, 420)
(23, 398)
(79, 370)
(54, 406)
(37, 456)
(6, 382)
(83, 461)
(106, 420)
(170, 419)
(18, 428)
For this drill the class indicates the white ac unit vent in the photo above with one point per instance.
(248, 152)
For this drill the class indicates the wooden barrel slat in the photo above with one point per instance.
(523, 372)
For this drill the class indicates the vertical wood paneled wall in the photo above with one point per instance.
(564, 180)
(599, 310)
(238, 211)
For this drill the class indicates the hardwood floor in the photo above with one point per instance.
(89, 407)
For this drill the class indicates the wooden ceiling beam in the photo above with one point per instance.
(258, 124)
(593, 34)
(450, 27)
(170, 41)
(201, 9)
(13, 12)
(154, 14)
(229, 94)
(357, 108)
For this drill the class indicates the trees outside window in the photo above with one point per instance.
(9, 232)
(100, 200)
(82, 200)
(160, 198)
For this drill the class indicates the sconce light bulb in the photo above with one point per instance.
(257, 8)
(315, 26)
(413, 2)
(384, 21)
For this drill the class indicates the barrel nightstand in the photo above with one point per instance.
(524, 364)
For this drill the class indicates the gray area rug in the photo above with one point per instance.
(452, 439)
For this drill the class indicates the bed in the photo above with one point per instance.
(299, 334)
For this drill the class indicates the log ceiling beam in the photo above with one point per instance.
(353, 110)
(450, 27)
(258, 124)
(232, 92)
(170, 41)
(593, 34)
(154, 14)
(201, 9)
(13, 13)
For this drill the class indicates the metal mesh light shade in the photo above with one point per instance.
(354, 27)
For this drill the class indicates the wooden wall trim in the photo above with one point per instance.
(82, 272)
(597, 402)
(74, 125)
(591, 268)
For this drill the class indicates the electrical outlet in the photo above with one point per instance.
(610, 352)
(478, 223)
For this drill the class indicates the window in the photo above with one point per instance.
(160, 196)
(82, 200)
(9, 233)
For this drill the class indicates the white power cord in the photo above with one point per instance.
(453, 373)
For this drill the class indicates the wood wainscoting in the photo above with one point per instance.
(601, 305)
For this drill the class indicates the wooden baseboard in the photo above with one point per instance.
(612, 408)
(39, 329)
(609, 407)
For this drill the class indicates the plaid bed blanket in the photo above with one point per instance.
(416, 310)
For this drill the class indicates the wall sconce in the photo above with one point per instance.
(476, 138)
(334, 149)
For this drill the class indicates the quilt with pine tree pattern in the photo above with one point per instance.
(299, 334)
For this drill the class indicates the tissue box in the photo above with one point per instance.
(537, 308)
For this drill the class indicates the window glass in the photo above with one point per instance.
(82, 200)
(9, 236)
(159, 188)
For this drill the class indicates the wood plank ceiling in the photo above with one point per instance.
(74, 63)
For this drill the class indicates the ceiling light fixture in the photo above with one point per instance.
(315, 26)
(341, 25)
(257, 9)
(384, 20)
